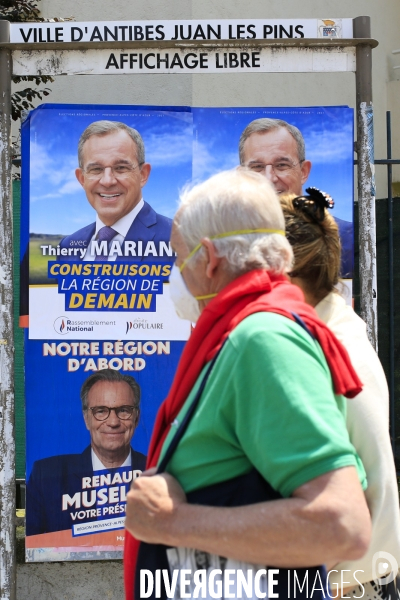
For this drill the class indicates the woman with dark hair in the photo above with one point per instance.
(313, 235)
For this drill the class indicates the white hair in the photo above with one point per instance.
(233, 201)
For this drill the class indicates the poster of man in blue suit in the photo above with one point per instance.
(101, 191)
(60, 486)
(100, 186)
(113, 171)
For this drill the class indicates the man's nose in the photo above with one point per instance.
(112, 420)
(269, 173)
(108, 177)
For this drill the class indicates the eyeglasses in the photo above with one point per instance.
(278, 168)
(101, 413)
(118, 171)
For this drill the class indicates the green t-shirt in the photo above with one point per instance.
(268, 403)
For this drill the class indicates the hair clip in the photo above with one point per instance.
(314, 203)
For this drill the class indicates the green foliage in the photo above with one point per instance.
(38, 262)
(23, 99)
(19, 11)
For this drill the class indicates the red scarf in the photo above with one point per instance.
(257, 291)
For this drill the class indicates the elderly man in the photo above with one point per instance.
(262, 469)
(111, 408)
(276, 149)
(112, 171)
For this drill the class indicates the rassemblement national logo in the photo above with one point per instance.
(63, 325)
(60, 325)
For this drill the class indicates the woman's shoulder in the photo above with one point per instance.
(351, 331)
(341, 318)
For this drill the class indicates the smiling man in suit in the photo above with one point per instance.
(276, 149)
(112, 171)
(59, 486)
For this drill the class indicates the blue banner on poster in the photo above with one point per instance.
(106, 287)
(100, 187)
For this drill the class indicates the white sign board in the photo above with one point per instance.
(184, 60)
(163, 323)
(180, 31)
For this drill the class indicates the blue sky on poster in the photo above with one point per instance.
(58, 204)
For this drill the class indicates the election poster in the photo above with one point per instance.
(328, 136)
(63, 214)
(96, 304)
(100, 186)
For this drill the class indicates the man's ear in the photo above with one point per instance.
(79, 175)
(144, 173)
(305, 170)
(213, 259)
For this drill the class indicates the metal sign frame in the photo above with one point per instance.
(363, 45)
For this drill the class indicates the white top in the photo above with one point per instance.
(368, 426)
(98, 465)
(121, 226)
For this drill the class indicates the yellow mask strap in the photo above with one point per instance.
(206, 297)
(224, 235)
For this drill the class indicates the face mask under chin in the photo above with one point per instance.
(186, 305)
